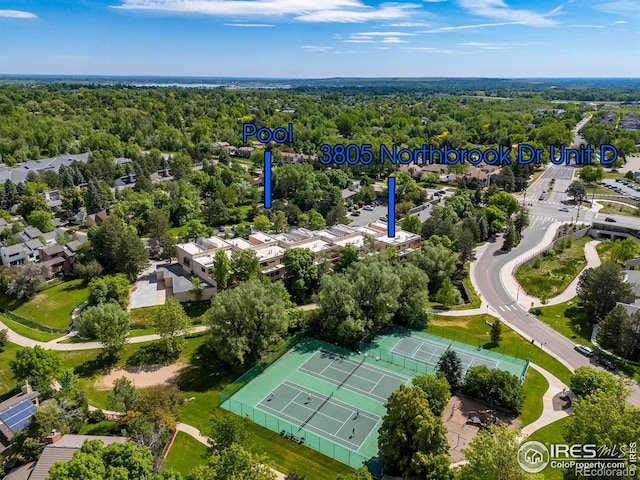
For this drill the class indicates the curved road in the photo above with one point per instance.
(490, 262)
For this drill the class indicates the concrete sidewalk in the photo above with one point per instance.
(516, 291)
(549, 415)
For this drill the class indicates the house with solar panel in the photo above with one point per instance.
(15, 413)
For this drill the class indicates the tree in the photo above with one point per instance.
(620, 332)
(450, 365)
(124, 395)
(279, 221)
(246, 320)
(31, 203)
(37, 366)
(245, 266)
(109, 288)
(69, 382)
(448, 295)
(437, 261)
(25, 284)
(196, 288)
(162, 242)
(586, 380)
(521, 221)
(411, 223)
(510, 238)
(603, 418)
(41, 220)
(227, 429)
(504, 202)
(31, 441)
(262, 223)
(577, 190)
(592, 173)
(436, 388)
(221, 269)
(348, 255)
(90, 270)
(413, 302)
(623, 250)
(234, 463)
(411, 438)
(117, 461)
(496, 388)
(301, 278)
(496, 331)
(108, 323)
(118, 248)
(171, 323)
(483, 225)
(4, 338)
(493, 455)
(601, 288)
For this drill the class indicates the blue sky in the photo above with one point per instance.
(322, 38)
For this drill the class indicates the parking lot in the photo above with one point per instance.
(623, 187)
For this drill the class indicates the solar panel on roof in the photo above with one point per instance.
(17, 417)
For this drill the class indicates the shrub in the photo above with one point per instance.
(494, 387)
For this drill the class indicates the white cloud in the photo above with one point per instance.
(469, 27)
(585, 26)
(434, 50)
(408, 24)
(486, 46)
(315, 48)
(384, 34)
(358, 40)
(71, 58)
(393, 40)
(627, 8)
(248, 25)
(336, 11)
(499, 10)
(17, 14)
(348, 52)
(620, 22)
(434, 1)
(382, 48)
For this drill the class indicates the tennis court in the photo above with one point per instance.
(428, 352)
(324, 415)
(322, 396)
(352, 375)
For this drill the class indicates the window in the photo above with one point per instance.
(186, 261)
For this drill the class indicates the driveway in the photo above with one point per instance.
(148, 292)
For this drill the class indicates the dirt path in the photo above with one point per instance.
(143, 376)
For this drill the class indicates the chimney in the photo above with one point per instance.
(53, 438)
(26, 388)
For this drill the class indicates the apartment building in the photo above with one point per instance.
(196, 258)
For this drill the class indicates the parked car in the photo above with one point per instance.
(609, 219)
(356, 213)
(586, 351)
(564, 209)
(608, 364)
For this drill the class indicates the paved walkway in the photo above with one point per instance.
(69, 347)
(549, 415)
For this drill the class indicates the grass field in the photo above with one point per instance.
(552, 433)
(617, 209)
(27, 331)
(186, 453)
(534, 387)
(553, 271)
(604, 250)
(568, 319)
(51, 307)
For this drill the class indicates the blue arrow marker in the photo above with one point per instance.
(391, 213)
(267, 179)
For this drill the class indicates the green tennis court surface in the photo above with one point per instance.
(429, 353)
(347, 392)
(363, 379)
(420, 352)
(333, 419)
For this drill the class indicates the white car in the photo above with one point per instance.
(586, 351)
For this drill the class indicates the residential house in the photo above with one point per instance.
(96, 218)
(58, 258)
(16, 255)
(15, 413)
(58, 448)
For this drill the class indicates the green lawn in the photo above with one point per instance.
(7, 382)
(568, 318)
(473, 330)
(51, 307)
(617, 209)
(535, 385)
(604, 250)
(178, 231)
(552, 433)
(25, 331)
(186, 453)
(553, 271)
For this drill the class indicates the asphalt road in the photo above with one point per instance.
(491, 262)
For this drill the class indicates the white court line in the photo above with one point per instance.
(347, 386)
